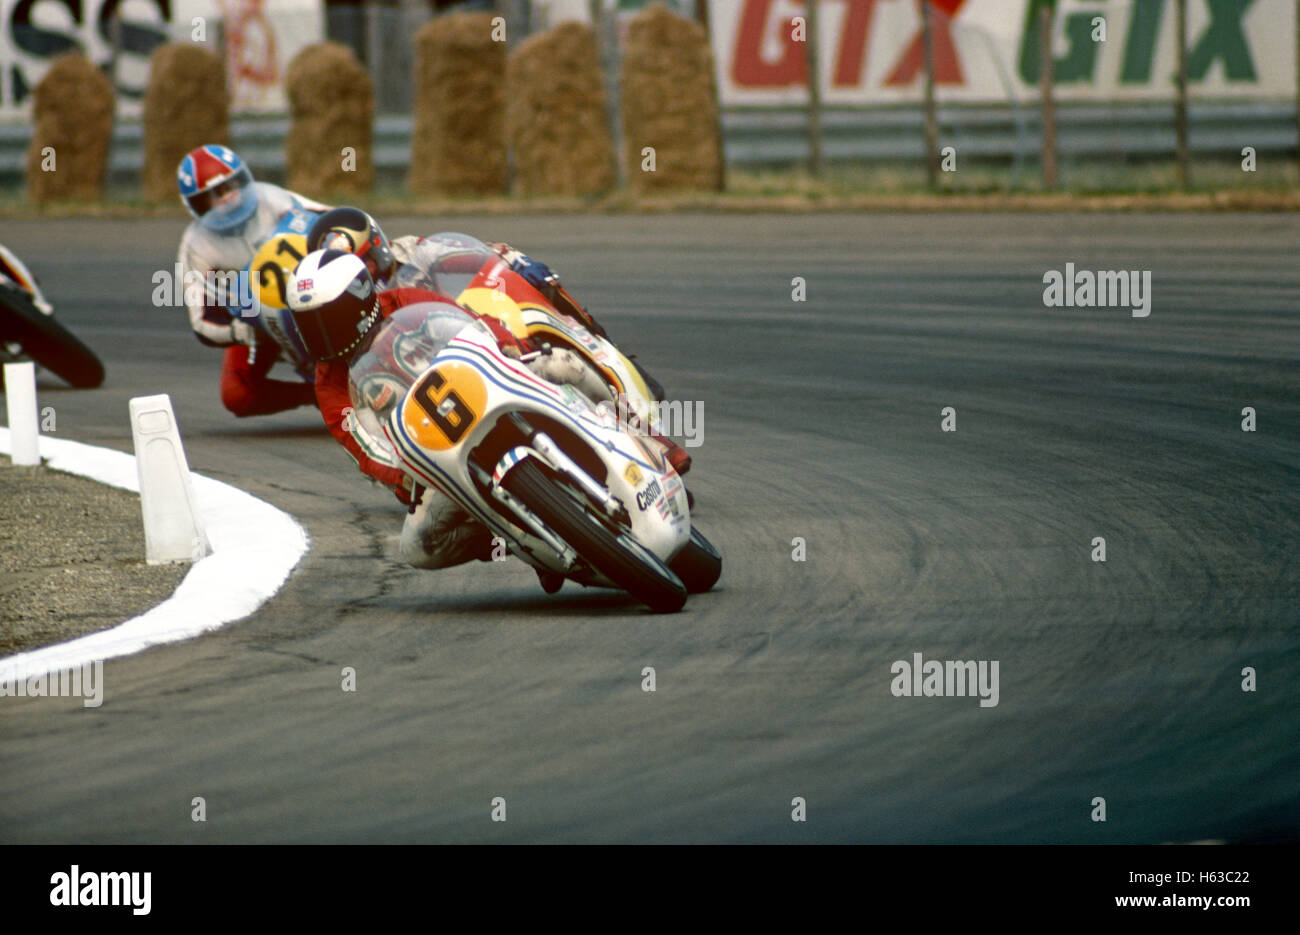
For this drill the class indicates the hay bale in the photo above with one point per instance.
(555, 117)
(72, 113)
(333, 105)
(186, 104)
(458, 143)
(670, 103)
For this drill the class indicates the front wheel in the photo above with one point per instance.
(620, 558)
(46, 341)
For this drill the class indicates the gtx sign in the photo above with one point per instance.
(871, 51)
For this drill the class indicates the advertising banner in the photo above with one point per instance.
(986, 51)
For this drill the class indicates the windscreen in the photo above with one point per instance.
(446, 263)
(403, 348)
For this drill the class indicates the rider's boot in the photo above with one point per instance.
(567, 305)
(549, 580)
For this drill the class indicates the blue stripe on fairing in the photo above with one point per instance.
(492, 520)
(474, 357)
(469, 503)
(544, 401)
(413, 452)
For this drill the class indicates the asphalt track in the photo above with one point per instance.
(822, 421)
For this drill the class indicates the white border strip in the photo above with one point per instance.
(254, 548)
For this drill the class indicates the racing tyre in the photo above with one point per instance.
(698, 564)
(46, 341)
(621, 559)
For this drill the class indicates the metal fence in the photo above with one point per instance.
(1008, 132)
(779, 137)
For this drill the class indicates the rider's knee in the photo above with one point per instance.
(439, 535)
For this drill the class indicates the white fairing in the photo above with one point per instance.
(404, 347)
(637, 474)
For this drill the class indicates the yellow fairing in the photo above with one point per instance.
(503, 308)
(612, 377)
(496, 305)
(273, 265)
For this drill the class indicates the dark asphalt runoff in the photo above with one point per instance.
(1120, 680)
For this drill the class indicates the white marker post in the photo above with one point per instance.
(20, 400)
(173, 531)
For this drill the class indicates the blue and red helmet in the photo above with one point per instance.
(216, 187)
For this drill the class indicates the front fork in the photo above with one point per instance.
(539, 444)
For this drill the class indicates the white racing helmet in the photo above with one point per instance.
(333, 304)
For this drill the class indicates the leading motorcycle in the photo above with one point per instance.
(569, 487)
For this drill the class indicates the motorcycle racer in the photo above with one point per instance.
(414, 261)
(424, 263)
(233, 215)
(334, 310)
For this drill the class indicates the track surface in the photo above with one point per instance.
(822, 421)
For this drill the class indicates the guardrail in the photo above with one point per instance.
(778, 136)
(1009, 131)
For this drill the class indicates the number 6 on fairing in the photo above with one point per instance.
(440, 411)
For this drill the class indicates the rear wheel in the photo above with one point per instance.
(46, 341)
(620, 558)
(698, 564)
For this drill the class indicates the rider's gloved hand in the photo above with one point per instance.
(510, 345)
(536, 274)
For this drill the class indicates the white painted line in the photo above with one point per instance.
(255, 547)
